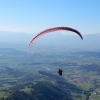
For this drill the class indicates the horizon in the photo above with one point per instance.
(90, 41)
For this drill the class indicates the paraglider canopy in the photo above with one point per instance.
(52, 30)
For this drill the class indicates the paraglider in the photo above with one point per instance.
(60, 72)
(52, 30)
(55, 29)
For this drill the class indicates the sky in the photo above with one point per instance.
(30, 16)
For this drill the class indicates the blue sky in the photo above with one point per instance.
(31, 16)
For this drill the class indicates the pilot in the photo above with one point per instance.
(60, 71)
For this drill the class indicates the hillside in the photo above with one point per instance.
(37, 91)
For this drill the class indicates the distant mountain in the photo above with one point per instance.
(89, 42)
(14, 37)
